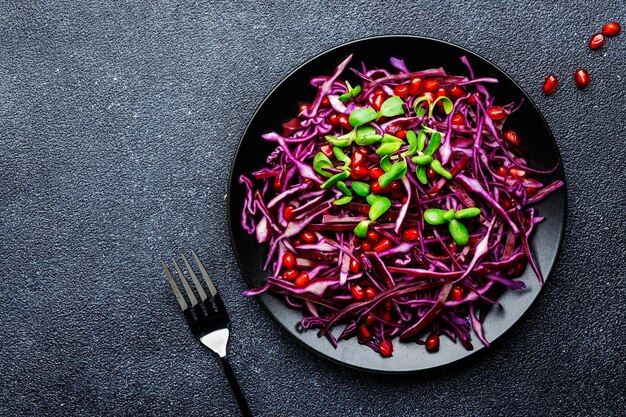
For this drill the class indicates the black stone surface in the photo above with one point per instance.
(118, 123)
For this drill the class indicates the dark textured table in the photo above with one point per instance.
(118, 125)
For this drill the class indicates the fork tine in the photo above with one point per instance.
(194, 278)
(190, 294)
(179, 296)
(205, 275)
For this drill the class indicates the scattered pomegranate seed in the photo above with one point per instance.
(397, 195)
(370, 319)
(388, 304)
(596, 41)
(358, 158)
(297, 242)
(519, 269)
(386, 348)
(550, 83)
(457, 293)
(326, 102)
(457, 92)
(379, 92)
(289, 260)
(387, 316)
(376, 172)
(375, 188)
(451, 247)
(359, 172)
(370, 292)
(365, 333)
(404, 199)
(474, 98)
(530, 191)
(474, 240)
(496, 113)
(431, 85)
(366, 246)
(357, 292)
(288, 213)
(343, 121)
(373, 236)
(308, 237)
(333, 119)
(401, 134)
(401, 91)
(410, 234)
(278, 185)
(291, 274)
(512, 137)
(383, 245)
(395, 186)
(378, 101)
(355, 266)
(441, 92)
(303, 108)
(581, 77)
(430, 174)
(301, 280)
(432, 343)
(611, 29)
(501, 171)
(415, 86)
(327, 149)
(458, 119)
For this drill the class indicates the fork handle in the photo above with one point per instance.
(234, 385)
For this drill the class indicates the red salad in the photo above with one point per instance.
(396, 207)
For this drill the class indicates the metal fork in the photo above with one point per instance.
(209, 321)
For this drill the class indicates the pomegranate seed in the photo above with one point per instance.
(516, 172)
(326, 102)
(432, 343)
(308, 237)
(395, 186)
(373, 236)
(397, 196)
(297, 242)
(387, 316)
(370, 292)
(370, 319)
(303, 108)
(378, 101)
(474, 239)
(458, 119)
(531, 191)
(451, 247)
(549, 85)
(441, 92)
(519, 269)
(496, 113)
(501, 171)
(401, 134)
(355, 266)
(375, 188)
(288, 213)
(474, 98)
(388, 304)
(278, 185)
(415, 86)
(404, 199)
(327, 149)
(379, 92)
(333, 119)
(611, 29)
(581, 77)
(359, 172)
(410, 234)
(596, 41)
(291, 274)
(457, 92)
(289, 260)
(366, 246)
(431, 85)
(376, 172)
(302, 280)
(401, 91)
(357, 292)
(343, 121)
(386, 348)
(430, 174)
(512, 137)
(457, 293)
(384, 244)
(357, 159)
(365, 333)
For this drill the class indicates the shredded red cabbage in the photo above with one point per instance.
(397, 207)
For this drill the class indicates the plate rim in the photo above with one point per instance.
(481, 347)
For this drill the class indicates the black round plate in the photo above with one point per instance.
(419, 53)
